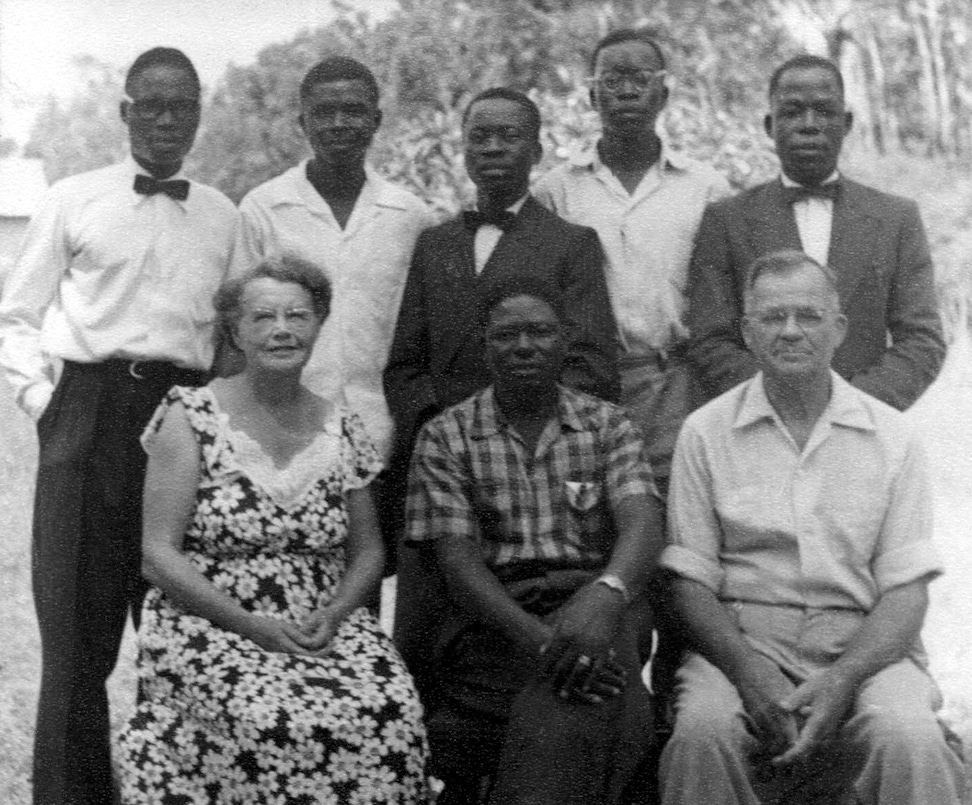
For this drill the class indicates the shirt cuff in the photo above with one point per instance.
(36, 398)
(904, 565)
(690, 565)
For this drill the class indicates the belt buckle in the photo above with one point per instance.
(133, 370)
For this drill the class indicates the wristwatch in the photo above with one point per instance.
(615, 583)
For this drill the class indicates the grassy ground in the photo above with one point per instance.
(945, 194)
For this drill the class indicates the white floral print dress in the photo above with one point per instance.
(220, 720)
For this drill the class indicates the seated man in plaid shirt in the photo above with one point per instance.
(540, 513)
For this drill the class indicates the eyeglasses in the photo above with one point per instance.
(641, 80)
(297, 319)
(807, 319)
(154, 108)
(508, 135)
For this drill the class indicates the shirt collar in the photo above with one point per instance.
(517, 205)
(488, 419)
(376, 190)
(788, 182)
(134, 169)
(845, 407)
(588, 157)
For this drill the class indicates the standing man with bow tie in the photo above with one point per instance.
(874, 242)
(107, 307)
(437, 355)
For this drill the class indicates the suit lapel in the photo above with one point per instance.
(456, 272)
(509, 249)
(512, 240)
(770, 222)
(852, 234)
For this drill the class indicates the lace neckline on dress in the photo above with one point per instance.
(288, 485)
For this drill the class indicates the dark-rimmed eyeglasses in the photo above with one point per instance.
(641, 80)
(154, 108)
(263, 320)
(807, 319)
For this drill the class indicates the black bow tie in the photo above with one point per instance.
(830, 190)
(173, 188)
(473, 219)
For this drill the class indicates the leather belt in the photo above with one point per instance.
(144, 370)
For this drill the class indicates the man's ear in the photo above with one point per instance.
(300, 122)
(746, 328)
(123, 111)
(848, 121)
(768, 125)
(842, 325)
(537, 152)
(378, 118)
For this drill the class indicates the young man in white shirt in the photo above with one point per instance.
(646, 203)
(107, 307)
(334, 211)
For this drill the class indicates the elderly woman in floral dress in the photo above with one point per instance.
(262, 675)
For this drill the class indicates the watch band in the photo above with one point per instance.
(615, 583)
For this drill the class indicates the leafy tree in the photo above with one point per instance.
(86, 132)
(908, 65)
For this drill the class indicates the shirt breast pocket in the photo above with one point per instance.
(582, 496)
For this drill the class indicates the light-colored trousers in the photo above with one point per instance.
(890, 751)
(655, 393)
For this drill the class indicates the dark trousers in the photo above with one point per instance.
(86, 563)
(495, 715)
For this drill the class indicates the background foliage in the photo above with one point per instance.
(908, 65)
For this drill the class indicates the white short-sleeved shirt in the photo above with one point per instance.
(647, 236)
(367, 263)
(753, 518)
(107, 273)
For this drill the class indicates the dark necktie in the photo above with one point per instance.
(173, 188)
(473, 219)
(830, 190)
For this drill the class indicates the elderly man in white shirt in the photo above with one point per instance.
(108, 305)
(334, 211)
(646, 204)
(801, 545)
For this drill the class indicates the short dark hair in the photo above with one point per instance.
(805, 61)
(786, 261)
(160, 57)
(338, 68)
(519, 285)
(508, 94)
(643, 35)
(287, 268)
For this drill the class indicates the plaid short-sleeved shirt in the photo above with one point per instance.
(472, 477)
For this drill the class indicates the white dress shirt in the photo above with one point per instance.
(647, 235)
(488, 235)
(367, 263)
(107, 273)
(835, 524)
(814, 220)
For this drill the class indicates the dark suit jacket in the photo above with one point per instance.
(879, 252)
(437, 356)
